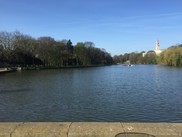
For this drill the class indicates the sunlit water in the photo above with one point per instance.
(143, 93)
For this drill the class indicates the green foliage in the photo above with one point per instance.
(87, 54)
(150, 58)
(20, 49)
(171, 57)
(136, 58)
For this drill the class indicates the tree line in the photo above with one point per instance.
(171, 57)
(136, 58)
(18, 49)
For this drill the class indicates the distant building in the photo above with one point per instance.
(144, 53)
(157, 48)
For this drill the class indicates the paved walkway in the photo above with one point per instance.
(88, 129)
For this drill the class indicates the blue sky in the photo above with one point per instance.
(119, 26)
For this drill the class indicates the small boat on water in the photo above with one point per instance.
(128, 65)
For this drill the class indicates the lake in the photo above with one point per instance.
(142, 93)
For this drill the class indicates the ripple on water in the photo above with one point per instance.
(144, 93)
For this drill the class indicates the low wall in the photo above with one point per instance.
(87, 129)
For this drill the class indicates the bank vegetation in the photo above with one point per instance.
(136, 58)
(18, 49)
(171, 57)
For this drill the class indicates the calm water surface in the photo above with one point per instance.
(143, 93)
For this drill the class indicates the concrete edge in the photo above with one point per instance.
(87, 129)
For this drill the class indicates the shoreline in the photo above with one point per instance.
(6, 70)
(14, 69)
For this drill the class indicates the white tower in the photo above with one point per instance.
(157, 46)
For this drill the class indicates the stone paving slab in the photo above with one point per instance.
(178, 127)
(156, 129)
(89, 129)
(6, 128)
(94, 129)
(42, 129)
